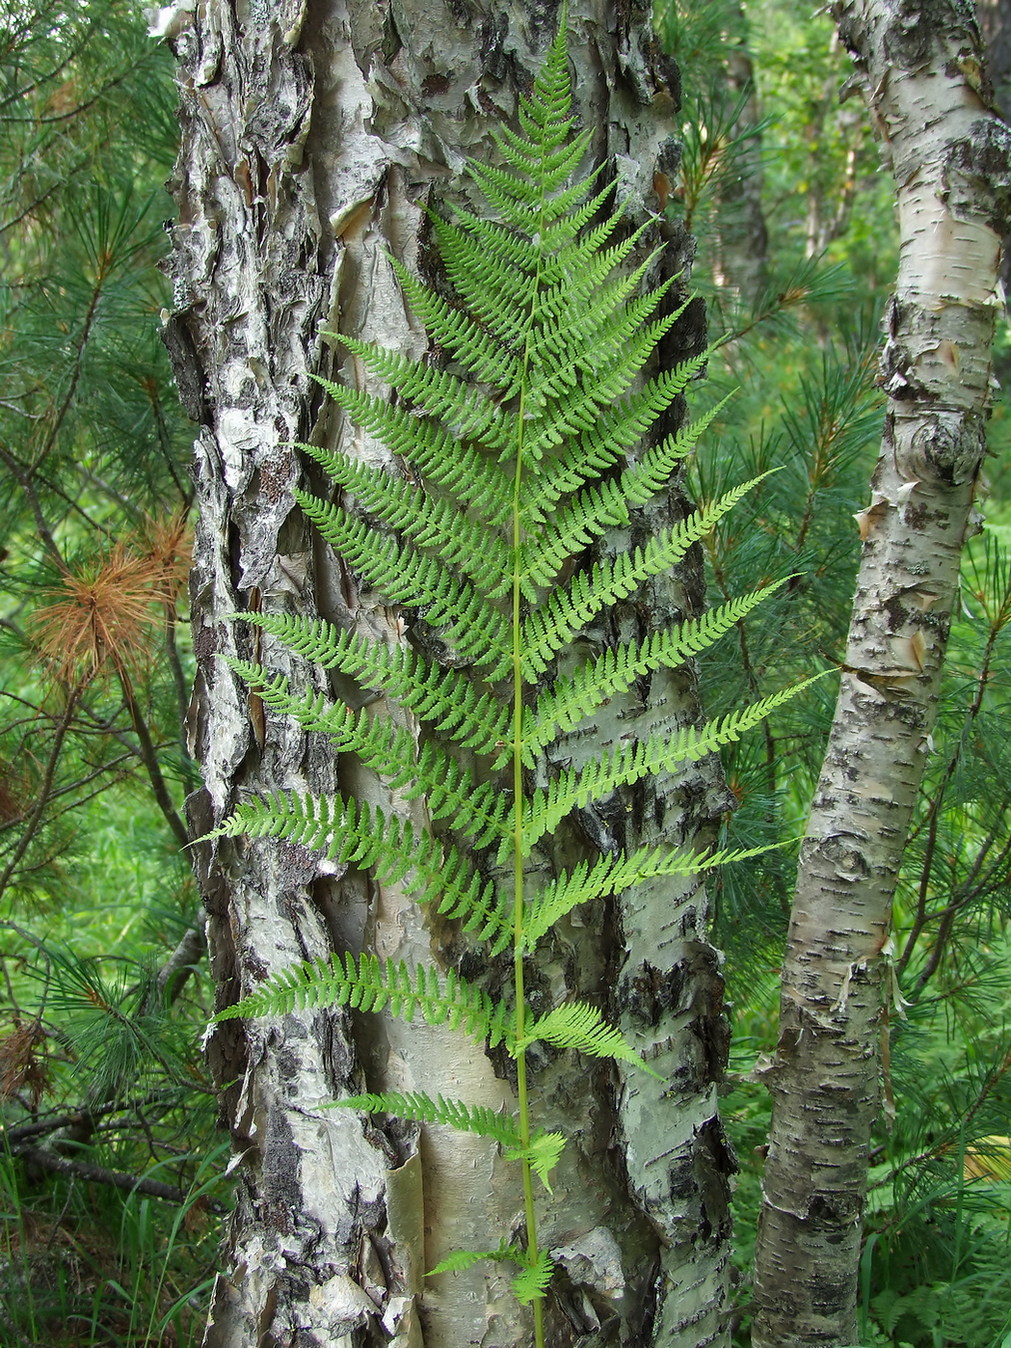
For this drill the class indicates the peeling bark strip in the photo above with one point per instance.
(314, 132)
(950, 160)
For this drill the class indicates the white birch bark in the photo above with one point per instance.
(949, 156)
(314, 133)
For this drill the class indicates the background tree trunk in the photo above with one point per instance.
(949, 155)
(314, 133)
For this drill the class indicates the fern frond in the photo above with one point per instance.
(612, 874)
(616, 430)
(549, 629)
(459, 1260)
(496, 289)
(525, 210)
(453, 1113)
(370, 984)
(579, 411)
(478, 808)
(542, 1154)
(438, 393)
(549, 166)
(471, 547)
(444, 697)
(531, 1283)
(599, 505)
(354, 834)
(456, 331)
(576, 339)
(631, 762)
(570, 700)
(645, 479)
(580, 1026)
(457, 468)
(475, 629)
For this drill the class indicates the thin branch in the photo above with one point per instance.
(119, 1179)
(35, 819)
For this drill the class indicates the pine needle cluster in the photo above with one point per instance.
(527, 457)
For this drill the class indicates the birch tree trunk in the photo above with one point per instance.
(314, 133)
(949, 155)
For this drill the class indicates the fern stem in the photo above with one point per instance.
(522, 1100)
(523, 1107)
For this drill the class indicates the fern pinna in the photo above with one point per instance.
(526, 462)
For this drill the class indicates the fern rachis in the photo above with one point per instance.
(523, 469)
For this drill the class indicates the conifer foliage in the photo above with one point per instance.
(525, 463)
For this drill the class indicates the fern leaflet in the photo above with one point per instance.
(370, 984)
(452, 1113)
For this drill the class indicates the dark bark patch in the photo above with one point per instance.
(978, 174)
(433, 86)
(954, 451)
(897, 613)
(280, 1171)
(693, 984)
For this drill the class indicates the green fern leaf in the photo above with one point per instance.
(614, 873)
(642, 482)
(550, 628)
(369, 984)
(353, 833)
(441, 395)
(631, 762)
(478, 808)
(531, 1283)
(458, 469)
(460, 1260)
(462, 543)
(456, 1114)
(543, 1154)
(615, 431)
(475, 629)
(580, 1026)
(570, 700)
(443, 697)
(456, 331)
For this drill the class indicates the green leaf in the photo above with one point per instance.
(614, 873)
(369, 984)
(550, 628)
(580, 1026)
(356, 834)
(456, 1114)
(629, 763)
(542, 1154)
(570, 700)
(531, 1283)
(464, 1259)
